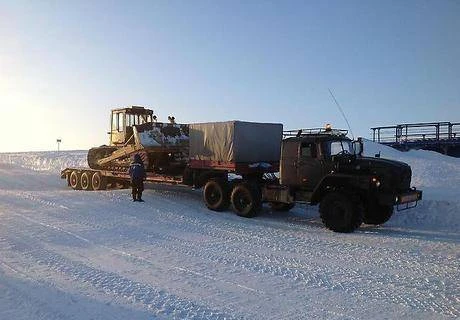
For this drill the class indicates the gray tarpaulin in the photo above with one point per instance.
(236, 141)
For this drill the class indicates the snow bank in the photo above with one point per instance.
(51, 161)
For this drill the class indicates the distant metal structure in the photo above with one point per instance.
(442, 137)
(58, 143)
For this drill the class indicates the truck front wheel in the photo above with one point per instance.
(246, 200)
(377, 214)
(215, 195)
(339, 213)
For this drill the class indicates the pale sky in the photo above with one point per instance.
(65, 64)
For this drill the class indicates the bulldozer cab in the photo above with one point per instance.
(122, 122)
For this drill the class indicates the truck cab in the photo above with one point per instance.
(308, 156)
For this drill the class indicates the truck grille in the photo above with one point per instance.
(404, 179)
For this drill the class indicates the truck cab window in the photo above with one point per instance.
(308, 150)
(340, 146)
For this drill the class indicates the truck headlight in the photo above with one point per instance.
(376, 182)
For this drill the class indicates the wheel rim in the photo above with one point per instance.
(213, 195)
(96, 181)
(84, 181)
(243, 200)
(73, 180)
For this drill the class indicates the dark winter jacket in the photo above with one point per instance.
(136, 169)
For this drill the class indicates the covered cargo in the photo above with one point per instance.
(235, 142)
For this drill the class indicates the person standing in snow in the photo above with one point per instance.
(137, 174)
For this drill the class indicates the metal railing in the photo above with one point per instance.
(313, 131)
(417, 132)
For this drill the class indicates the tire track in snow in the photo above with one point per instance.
(293, 241)
(32, 196)
(402, 290)
(291, 268)
(132, 256)
(394, 289)
(156, 300)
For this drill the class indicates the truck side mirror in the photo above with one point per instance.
(358, 146)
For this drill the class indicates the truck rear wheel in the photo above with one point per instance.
(377, 214)
(215, 195)
(339, 213)
(86, 183)
(74, 180)
(281, 206)
(246, 200)
(98, 182)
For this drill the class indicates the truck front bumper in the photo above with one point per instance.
(403, 200)
(408, 200)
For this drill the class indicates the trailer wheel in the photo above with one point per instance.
(74, 180)
(339, 213)
(246, 200)
(215, 195)
(280, 206)
(377, 214)
(85, 179)
(98, 182)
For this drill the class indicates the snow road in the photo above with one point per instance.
(68, 254)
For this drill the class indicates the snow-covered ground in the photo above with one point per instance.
(68, 254)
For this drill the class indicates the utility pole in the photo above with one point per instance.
(58, 143)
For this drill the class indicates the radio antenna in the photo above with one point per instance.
(343, 114)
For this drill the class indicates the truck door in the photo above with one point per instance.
(289, 161)
(310, 168)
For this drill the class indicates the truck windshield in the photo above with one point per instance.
(339, 147)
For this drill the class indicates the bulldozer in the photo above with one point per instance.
(163, 147)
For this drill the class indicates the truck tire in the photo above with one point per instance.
(215, 195)
(98, 182)
(85, 180)
(246, 200)
(281, 206)
(339, 213)
(74, 180)
(377, 214)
